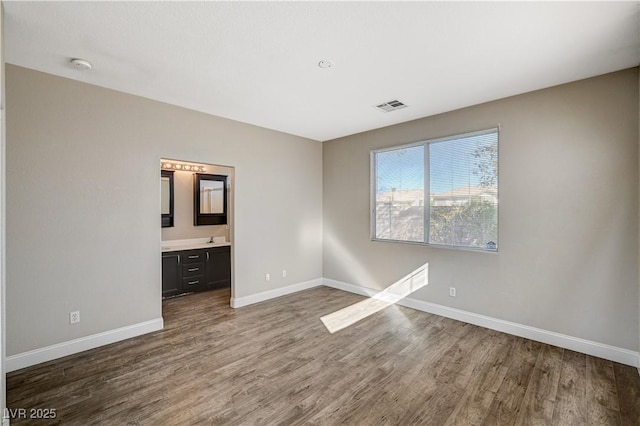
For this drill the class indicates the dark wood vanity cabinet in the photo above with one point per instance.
(218, 267)
(193, 270)
(196, 270)
(171, 274)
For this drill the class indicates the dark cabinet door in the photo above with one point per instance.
(171, 274)
(218, 267)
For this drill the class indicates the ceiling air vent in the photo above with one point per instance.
(391, 106)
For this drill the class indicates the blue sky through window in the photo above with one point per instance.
(452, 165)
(402, 169)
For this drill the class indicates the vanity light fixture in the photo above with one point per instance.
(167, 165)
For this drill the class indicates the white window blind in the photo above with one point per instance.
(461, 175)
(399, 203)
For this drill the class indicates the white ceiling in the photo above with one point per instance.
(256, 62)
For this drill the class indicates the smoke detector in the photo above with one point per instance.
(80, 64)
(325, 63)
(391, 106)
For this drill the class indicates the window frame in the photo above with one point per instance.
(427, 176)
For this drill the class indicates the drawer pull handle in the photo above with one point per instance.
(194, 282)
(194, 257)
(193, 269)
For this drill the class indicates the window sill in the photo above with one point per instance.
(437, 246)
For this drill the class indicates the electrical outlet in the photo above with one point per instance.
(267, 277)
(284, 273)
(452, 291)
(74, 317)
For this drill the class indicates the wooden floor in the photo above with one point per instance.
(275, 363)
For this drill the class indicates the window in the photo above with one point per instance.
(461, 175)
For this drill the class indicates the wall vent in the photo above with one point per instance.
(391, 106)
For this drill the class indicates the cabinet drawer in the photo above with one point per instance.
(192, 283)
(192, 269)
(193, 256)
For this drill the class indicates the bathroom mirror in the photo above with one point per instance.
(166, 204)
(210, 199)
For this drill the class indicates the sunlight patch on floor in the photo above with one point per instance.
(350, 315)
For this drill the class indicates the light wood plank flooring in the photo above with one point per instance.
(275, 363)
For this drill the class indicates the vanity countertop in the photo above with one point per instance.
(193, 244)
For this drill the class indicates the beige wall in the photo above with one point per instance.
(83, 197)
(568, 218)
(183, 207)
(3, 321)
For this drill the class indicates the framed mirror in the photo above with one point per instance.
(166, 204)
(210, 199)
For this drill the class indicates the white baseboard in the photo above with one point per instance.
(612, 353)
(59, 350)
(238, 302)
